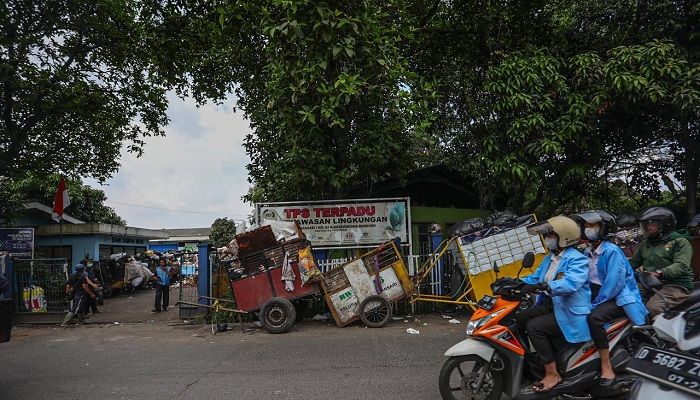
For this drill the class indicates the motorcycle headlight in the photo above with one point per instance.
(475, 324)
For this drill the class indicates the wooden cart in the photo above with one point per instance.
(261, 289)
(365, 287)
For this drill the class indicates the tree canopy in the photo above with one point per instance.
(545, 104)
(87, 203)
(222, 232)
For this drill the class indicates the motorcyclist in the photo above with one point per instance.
(561, 310)
(613, 287)
(666, 254)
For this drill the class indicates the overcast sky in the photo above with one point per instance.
(199, 166)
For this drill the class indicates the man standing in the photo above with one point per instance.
(81, 290)
(163, 275)
(666, 254)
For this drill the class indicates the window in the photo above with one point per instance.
(65, 251)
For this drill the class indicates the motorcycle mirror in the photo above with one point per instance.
(496, 269)
(528, 262)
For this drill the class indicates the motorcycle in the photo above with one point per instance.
(494, 360)
(673, 369)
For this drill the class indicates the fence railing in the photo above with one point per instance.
(331, 263)
(40, 285)
(413, 263)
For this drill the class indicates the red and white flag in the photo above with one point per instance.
(60, 201)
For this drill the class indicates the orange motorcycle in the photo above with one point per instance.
(494, 359)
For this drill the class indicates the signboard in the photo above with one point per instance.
(344, 223)
(19, 242)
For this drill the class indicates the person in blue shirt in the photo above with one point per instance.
(614, 290)
(565, 300)
(163, 275)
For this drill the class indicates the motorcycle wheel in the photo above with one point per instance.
(458, 377)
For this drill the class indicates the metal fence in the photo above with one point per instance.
(433, 285)
(188, 289)
(40, 285)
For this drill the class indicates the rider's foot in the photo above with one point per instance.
(547, 383)
(607, 375)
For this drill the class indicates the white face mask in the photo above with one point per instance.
(592, 233)
(551, 243)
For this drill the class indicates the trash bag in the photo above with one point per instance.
(465, 227)
(626, 220)
(521, 221)
(500, 218)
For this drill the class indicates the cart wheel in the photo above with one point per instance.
(375, 311)
(277, 315)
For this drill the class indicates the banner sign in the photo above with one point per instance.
(19, 242)
(344, 223)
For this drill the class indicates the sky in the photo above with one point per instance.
(188, 178)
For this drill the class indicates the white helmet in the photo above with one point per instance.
(566, 228)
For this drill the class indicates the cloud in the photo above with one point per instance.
(200, 165)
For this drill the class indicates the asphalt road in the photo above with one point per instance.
(158, 361)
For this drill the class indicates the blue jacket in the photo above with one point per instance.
(163, 276)
(571, 293)
(618, 283)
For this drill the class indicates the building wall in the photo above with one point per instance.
(89, 244)
(422, 217)
(163, 247)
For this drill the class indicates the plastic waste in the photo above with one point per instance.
(412, 331)
(454, 321)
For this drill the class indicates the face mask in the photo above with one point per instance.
(551, 243)
(591, 233)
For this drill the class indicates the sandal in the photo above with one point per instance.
(539, 387)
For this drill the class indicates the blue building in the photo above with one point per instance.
(74, 239)
(180, 239)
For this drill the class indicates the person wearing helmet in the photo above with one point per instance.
(80, 289)
(614, 291)
(565, 300)
(666, 254)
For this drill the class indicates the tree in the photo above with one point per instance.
(75, 84)
(328, 93)
(222, 232)
(487, 36)
(561, 124)
(87, 203)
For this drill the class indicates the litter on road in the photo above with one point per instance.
(412, 331)
(454, 321)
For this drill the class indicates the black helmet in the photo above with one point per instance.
(665, 218)
(607, 222)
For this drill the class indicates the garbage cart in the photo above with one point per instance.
(366, 287)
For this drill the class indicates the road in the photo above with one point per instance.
(156, 360)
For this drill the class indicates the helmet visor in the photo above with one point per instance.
(590, 217)
(650, 226)
(540, 228)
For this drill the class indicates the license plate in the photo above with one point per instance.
(669, 368)
(487, 302)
